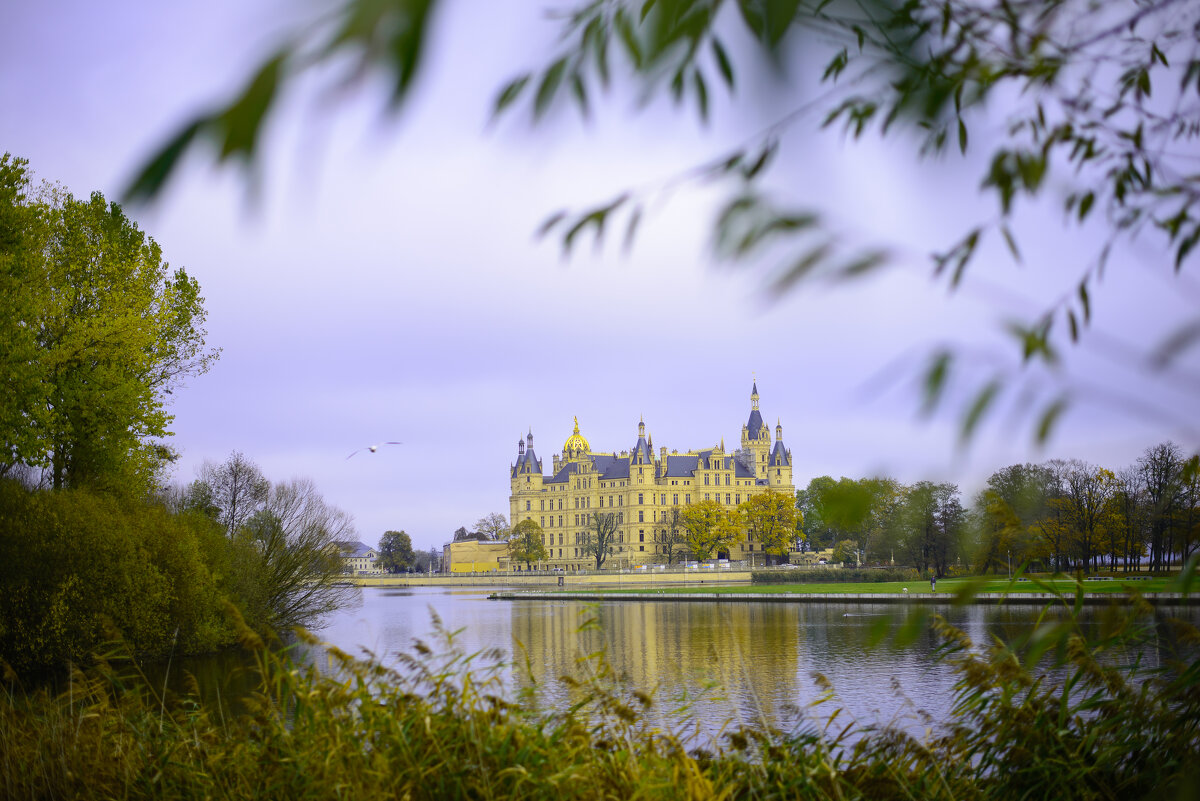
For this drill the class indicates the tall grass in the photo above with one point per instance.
(438, 724)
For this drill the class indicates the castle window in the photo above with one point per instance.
(675, 499)
(620, 500)
(778, 473)
(727, 497)
(738, 497)
(527, 506)
(706, 496)
(687, 499)
(641, 536)
(560, 521)
(542, 523)
(727, 480)
(640, 501)
(601, 501)
(610, 503)
(543, 504)
(641, 517)
(663, 500)
(706, 479)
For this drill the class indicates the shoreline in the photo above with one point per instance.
(925, 598)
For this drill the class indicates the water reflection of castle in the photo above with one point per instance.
(678, 644)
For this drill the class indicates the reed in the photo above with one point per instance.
(437, 723)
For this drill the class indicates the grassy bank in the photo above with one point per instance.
(947, 587)
(439, 726)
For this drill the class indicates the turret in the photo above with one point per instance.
(755, 436)
(779, 466)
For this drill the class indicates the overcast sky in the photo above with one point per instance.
(384, 283)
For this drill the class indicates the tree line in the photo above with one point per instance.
(1059, 515)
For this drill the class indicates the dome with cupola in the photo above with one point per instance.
(577, 442)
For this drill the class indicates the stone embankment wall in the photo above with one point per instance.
(605, 578)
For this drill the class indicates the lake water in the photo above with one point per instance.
(737, 662)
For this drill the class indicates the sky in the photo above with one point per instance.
(378, 278)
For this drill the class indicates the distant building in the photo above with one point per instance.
(642, 488)
(357, 557)
(474, 555)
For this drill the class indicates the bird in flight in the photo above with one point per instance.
(374, 448)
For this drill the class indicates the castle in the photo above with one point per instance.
(642, 488)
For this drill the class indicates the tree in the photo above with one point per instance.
(1076, 79)
(493, 526)
(525, 543)
(599, 537)
(290, 564)
(673, 535)
(770, 519)
(102, 331)
(395, 552)
(1161, 469)
(932, 519)
(231, 491)
(845, 551)
(710, 527)
(1016, 498)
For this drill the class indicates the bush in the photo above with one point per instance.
(835, 575)
(76, 566)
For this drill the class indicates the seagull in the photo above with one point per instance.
(374, 448)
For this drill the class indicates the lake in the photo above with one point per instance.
(736, 662)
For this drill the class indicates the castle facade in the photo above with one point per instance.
(642, 487)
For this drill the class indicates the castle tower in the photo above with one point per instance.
(779, 465)
(755, 437)
(525, 479)
(641, 458)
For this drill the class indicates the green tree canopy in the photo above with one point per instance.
(395, 552)
(98, 331)
(525, 543)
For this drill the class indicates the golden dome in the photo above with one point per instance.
(576, 442)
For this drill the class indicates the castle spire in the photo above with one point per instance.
(754, 396)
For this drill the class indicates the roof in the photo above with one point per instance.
(755, 423)
(358, 550)
(781, 453)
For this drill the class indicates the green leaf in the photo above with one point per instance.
(1049, 419)
(1073, 325)
(1085, 302)
(579, 91)
(761, 162)
(978, 408)
(1085, 205)
(241, 123)
(549, 223)
(723, 62)
(635, 219)
(548, 86)
(801, 268)
(935, 380)
(509, 94)
(701, 94)
(1011, 242)
(149, 182)
(962, 136)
